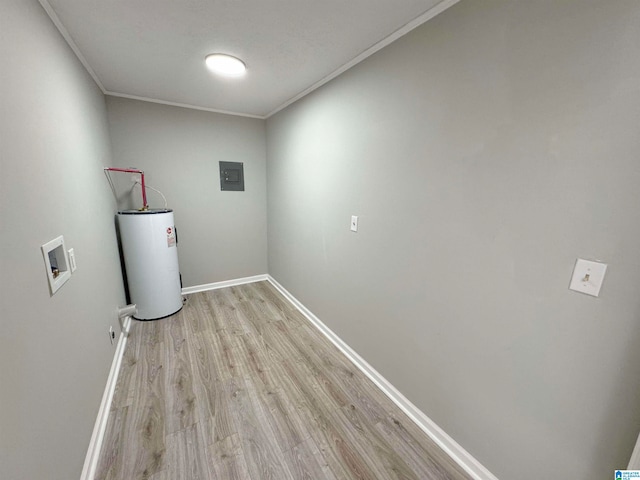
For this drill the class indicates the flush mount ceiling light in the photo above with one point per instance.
(226, 65)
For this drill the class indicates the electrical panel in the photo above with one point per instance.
(232, 176)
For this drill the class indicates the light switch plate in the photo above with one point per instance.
(587, 277)
(354, 223)
(72, 260)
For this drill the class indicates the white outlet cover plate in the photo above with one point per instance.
(588, 277)
(354, 223)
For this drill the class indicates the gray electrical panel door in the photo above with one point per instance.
(231, 176)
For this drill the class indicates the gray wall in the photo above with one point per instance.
(484, 152)
(54, 351)
(222, 235)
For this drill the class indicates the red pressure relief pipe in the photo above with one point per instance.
(145, 206)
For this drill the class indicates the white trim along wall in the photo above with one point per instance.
(93, 452)
(224, 284)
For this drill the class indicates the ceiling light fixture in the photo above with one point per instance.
(226, 65)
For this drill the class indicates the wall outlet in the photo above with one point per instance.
(112, 334)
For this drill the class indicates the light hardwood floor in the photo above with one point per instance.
(239, 385)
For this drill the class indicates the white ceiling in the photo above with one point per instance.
(155, 49)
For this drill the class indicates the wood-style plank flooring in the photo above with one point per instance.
(239, 385)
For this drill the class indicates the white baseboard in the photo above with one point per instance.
(224, 284)
(93, 452)
(463, 458)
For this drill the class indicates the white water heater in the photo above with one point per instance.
(149, 247)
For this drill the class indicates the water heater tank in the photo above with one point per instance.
(150, 253)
